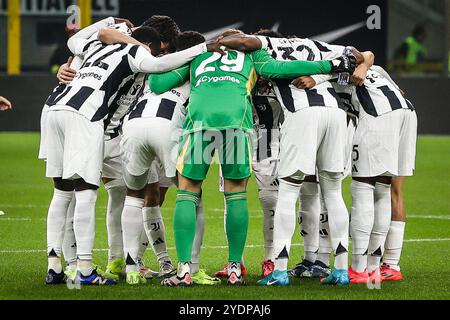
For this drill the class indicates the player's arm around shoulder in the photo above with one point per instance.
(268, 67)
(242, 42)
(161, 82)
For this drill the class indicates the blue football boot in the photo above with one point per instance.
(337, 277)
(276, 278)
(95, 279)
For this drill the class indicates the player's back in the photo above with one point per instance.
(292, 98)
(221, 89)
(165, 105)
(105, 69)
(379, 96)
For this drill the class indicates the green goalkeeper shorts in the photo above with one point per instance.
(197, 152)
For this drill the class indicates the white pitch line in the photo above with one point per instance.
(413, 216)
(249, 246)
(29, 219)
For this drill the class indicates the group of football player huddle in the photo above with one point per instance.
(146, 108)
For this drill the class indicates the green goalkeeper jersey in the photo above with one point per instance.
(221, 86)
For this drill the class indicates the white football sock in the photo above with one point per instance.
(325, 247)
(54, 263)
(382, 197)
(309, 217)
(156, 231)
(84, 228)
(361, 224)
(143, 244)
(69, 247)
(268, 199)
(117, 192)
(56, 221)
(198, 239)
(338, 219)
(284, 223)
(85, 267)
(132, 223)
(394, 244)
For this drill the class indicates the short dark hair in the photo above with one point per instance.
(188, 39)
(268, 33)
(146, 35)
(166, 27)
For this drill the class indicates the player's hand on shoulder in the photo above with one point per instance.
(305, 82)
(126, 21)
(360, 74)
(5, 104)
(345, 63)
(66, 73)
(215, 46)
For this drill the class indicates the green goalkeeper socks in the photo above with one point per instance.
(237, 224)
(184, 223)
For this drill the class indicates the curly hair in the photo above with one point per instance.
(167, 28)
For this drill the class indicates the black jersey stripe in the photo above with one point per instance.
(321, 47)
(166, 109)
(86, 61)
(410, 105)
(134, 50)
(89, 44)
(56, 92)
(58, 98)
(137, 111)
(392, 97)
(107, 54)
(286, 94)
(115, 103)
(337, 97)
(79, 98)
(314, 98)
(111, 86)
(366, 101)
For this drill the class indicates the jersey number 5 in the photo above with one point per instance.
(229, 65)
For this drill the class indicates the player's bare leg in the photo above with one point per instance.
(390, 269)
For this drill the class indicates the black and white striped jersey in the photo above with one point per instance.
(169, 105)
(267, 120)
(378, 95)
(291, 98)
(105, 71)
(124, 100)
(76, 64)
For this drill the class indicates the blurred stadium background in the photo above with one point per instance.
(33, 34)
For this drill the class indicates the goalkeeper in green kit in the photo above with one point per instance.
(220, 117)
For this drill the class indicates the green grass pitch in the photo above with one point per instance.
(25, 194)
